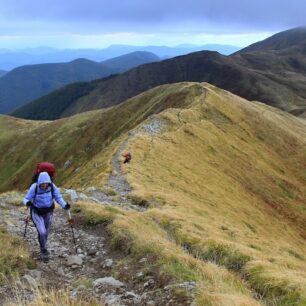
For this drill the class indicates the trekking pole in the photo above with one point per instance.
(71, 221)
(27, 219)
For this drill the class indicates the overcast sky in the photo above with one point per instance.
(99, 23)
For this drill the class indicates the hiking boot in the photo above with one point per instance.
(44, 255)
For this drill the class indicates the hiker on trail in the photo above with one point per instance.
(127, 157)
(40, 199)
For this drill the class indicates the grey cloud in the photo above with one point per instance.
(214, 16)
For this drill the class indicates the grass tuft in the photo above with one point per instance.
(14, 258)
(138, 200)
(51, 297)
(274, 286)
(94, 214)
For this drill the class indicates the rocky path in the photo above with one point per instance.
(116, 189)
(88, 274)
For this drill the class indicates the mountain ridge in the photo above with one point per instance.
(11, 59)
(275, 77)
(127, 61)
(278, 41)
(26, 83)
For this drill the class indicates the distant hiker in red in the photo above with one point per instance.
(40, 199)
(127, 157)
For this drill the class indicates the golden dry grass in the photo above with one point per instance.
(14, 257)
(228, 184)
(93, 213)
(49, 297)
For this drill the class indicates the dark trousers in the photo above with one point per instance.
(43, 225)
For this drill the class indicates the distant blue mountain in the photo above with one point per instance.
(29, 82)
(10, 59)
(2, 73)
(125, 62)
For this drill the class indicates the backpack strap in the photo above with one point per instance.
(52, 190)
(35, 193)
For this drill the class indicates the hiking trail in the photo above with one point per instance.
(97, 271)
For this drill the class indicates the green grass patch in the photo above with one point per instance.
(250, 226)
(287, 189)
(296, 255)
(254, 246)
(180, 270)
(221, 254)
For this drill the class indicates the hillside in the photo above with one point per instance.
(284, 55)
(275, 77)
(27, 83)
(81, 137)
(219, 183)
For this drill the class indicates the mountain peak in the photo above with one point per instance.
(82, 61)
(279, 41)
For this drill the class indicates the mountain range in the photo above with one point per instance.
(10, 59)
(26, 83)
(273, 73)
(127, 61)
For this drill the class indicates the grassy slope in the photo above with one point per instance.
(87, 140)
(227, 188)
(225, 183)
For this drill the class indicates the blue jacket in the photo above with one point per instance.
(43, 197)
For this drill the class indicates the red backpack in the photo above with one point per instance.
(43, 167)
(127, 155)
